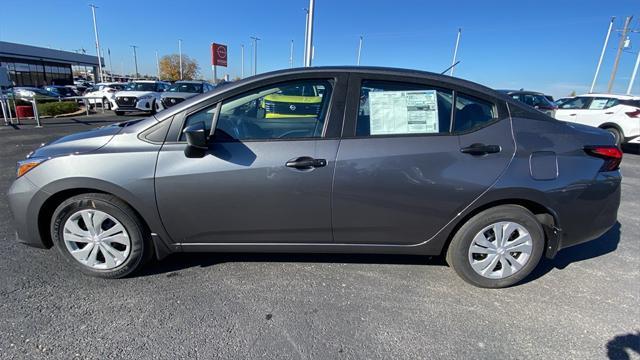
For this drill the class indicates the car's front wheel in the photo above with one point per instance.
(497, 247)
(100, 235)
(106, 104)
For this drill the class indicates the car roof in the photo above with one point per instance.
(614, 96)
(511, 92)
(149, 81)
(190, 82)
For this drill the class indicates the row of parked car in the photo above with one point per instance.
(144, 95)
(618, 114)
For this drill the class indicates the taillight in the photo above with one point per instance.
(633, 114)
(612, 156)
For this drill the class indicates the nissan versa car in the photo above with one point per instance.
(393, 161)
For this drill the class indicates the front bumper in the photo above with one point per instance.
(146, 105)
(25, 200)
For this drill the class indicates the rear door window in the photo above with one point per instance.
(472, 113)
(603, 103)
(396, 108)
(577, 103)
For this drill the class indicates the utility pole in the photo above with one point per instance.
(306, 28)
(157, 66)
(359, 50)
(623, 37)
(309, 37)
(180, 51)
(255, 54)
(455, 52)
(241, 61)
(604, 48)
(291, 55)
(135, 59)
(633, 74)
(95, 30)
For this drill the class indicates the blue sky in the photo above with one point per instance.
(550, 46)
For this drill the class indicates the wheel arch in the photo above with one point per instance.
(546, 217)
(612, 125)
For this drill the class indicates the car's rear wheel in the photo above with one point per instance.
(497, 247)
(617, 135)
(100, 235)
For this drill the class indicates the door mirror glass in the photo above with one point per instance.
(196, 135)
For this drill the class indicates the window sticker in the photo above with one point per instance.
(403, 112)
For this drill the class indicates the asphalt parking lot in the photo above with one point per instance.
(582, 305)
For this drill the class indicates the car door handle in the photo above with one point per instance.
(572, 114)
(608, 113)
(480, 149)
(305, 162)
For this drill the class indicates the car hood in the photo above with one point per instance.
(180, 95)
(134, 93)
(78, 143)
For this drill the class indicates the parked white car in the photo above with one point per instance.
(142, 95)
(618, 114)
(104, 94)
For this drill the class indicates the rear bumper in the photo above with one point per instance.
(592, 213)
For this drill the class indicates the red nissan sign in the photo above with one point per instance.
(219, 54)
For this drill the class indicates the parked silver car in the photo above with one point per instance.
(184, 89)
(337, 159)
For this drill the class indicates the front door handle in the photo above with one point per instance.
(480, 149)
(305, 163)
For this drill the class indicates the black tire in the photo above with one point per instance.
(119, 113)
(617, 135)
(106, 104)
(140, 251)
(153, 108)
(458, 251)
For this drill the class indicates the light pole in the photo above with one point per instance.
(455, 52)
(309, 35)
(291, 55)
(633, 74)
(359, 50)
(157, 65)
(135, 58)
(241, 61)
(95, 30)
(306, 25)
(604, 48)
(180, 51)
(110, 63)
(255, 54)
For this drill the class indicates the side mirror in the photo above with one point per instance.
(196, 136)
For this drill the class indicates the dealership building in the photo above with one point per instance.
(37, 66)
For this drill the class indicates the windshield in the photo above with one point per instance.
(188, 88)
(141, 87)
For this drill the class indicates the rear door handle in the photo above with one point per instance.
(573, 114)
(481, 149)
(305, 163)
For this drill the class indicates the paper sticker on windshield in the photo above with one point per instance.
(403, 112)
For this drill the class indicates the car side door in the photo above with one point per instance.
(573, 109)
(404, 170)
(600, 110)
(266, 175)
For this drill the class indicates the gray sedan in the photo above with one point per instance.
(338, 159)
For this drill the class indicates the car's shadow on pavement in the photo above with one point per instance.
(588, 250)
(181, 261)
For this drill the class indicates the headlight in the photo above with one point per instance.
(145, 97)
(24, 166)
